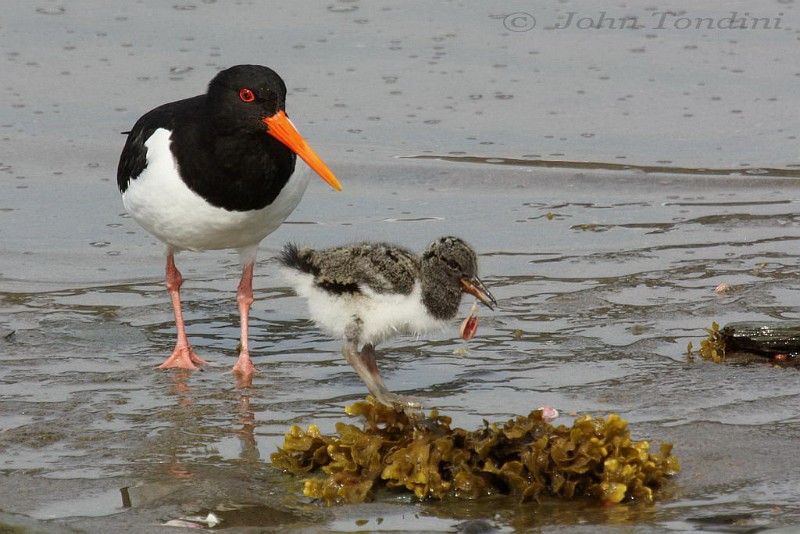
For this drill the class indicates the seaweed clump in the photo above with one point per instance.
(525, 457)
(712, 347)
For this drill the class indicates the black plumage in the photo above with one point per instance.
(219, 141)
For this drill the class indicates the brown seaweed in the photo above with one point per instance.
(713, 347)
(525, 457)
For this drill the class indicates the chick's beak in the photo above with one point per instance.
(282, 129)
(474, 286)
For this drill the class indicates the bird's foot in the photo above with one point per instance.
(400, 402)
(183, 357)
(244, 370)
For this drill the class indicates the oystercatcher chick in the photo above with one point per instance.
(370, 292)
(217, 171)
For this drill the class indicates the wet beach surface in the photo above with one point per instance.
(677, 171)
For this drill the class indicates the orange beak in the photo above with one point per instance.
(282, 129)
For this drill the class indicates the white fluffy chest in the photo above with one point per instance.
(159, 200)
(382, 315)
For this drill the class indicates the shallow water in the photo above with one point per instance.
(599, 297)
(604, 263)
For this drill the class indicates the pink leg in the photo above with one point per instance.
(183, 356)
(244, 366)
(364, 364)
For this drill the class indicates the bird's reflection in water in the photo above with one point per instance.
(182, 391)
(243, 381)
(247, 434)
(193, 444)
(180, 388)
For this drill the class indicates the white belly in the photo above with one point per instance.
(383, 316)
(164, 206)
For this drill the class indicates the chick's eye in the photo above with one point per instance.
(452, 264)
(247, 95)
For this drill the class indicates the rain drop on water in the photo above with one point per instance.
(335, 8)
(55, 10)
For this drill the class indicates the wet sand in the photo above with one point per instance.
(603, 274)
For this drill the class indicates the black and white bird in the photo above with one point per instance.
(217, 171)
(369, 292)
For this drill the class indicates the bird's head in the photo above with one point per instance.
(453, 257)
(253, 98)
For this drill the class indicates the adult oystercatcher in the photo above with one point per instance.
(369, 292)
(217, 171)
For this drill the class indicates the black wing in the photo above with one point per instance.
(133, 159)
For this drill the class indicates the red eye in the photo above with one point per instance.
(247, 95)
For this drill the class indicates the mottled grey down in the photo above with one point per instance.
(386, 268)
